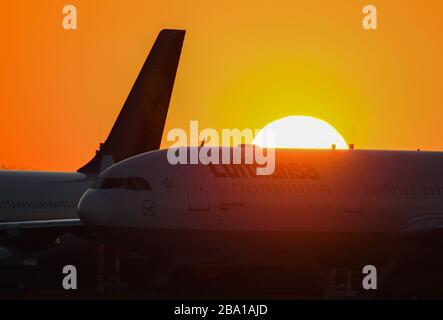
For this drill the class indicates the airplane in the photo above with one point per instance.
(36, 208)
(333, 207)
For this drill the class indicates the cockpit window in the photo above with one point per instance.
(97, 183)
(111, 183)
(129, 183)
(141, 184)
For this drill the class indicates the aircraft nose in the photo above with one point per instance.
(94, 208)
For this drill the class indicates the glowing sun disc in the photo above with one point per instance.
(301, 132)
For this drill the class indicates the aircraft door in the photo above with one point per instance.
(353, 193)
(353, 197)
(197, 192)
(347, 179)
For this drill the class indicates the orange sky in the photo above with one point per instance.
(244, 64)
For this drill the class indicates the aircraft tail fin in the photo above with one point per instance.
(139, 126)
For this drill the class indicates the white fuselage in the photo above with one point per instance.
(358, 193)
(35, 196)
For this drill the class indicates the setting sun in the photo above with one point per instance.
(301, 132)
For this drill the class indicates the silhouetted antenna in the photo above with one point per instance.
(353, 134)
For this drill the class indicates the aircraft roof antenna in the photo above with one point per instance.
(353, 134)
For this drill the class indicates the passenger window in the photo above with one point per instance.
(405, 190)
